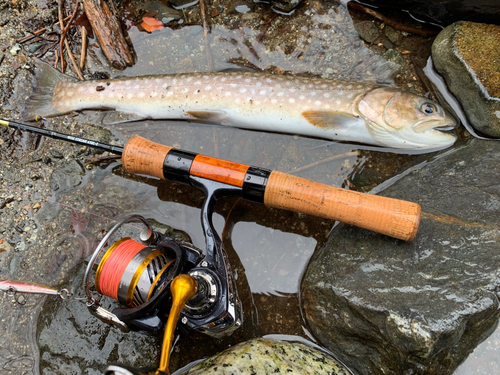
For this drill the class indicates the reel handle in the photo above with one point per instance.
(392, 217)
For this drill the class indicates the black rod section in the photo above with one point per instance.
(64, 137)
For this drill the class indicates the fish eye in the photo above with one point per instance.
(428, 109)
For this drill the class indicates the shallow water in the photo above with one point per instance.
(268, 248)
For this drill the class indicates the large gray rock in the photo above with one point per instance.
(390, 307)
(468, 57)
(268, 356)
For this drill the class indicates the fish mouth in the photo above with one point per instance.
(435, 125)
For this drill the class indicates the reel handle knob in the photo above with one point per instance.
(183, 288)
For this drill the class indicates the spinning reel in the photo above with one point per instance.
(158, 279)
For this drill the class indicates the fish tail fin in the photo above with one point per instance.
(40, 103)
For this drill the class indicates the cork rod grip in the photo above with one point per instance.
(145, 157)
(392, 217)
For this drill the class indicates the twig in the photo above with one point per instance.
(56, 55)
(206, 30)
(84, 47)
(61, 24)
(34, 34)
(319, 162)
(266, 27)
(65, 41)
(390, 22)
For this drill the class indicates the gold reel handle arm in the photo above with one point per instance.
(183, 288)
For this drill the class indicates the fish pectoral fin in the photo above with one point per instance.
(215, 116)
(330, 119)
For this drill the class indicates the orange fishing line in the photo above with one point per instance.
(115, 266)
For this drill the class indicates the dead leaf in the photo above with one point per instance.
(84, 21)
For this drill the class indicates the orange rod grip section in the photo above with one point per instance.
(220, 170)
(392, 217)
(145, 157)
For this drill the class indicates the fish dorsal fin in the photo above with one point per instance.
(215, 116)
(330, 119)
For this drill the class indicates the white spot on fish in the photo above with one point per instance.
(281, 93)
(233, 84)
(223, 79)
(142, 95)
(208, 88)
(349, 86)
(302, 97)
(189, 79)
(326, 95)
(317, 102)
(239, 77)
(274, 101)
(206, 77)
(262, 92)
(243, 90)
(313, 93)
(136, 87)
(197, 83)
(269, 80)
(350, 96)
(81, 89)
(338, 102)
(228, 93)
(291, 100)
(69, 93)
(129, 95)
(247, 80)
(170, 93)
(154, 94)
(185, 91)
(237, 100)
(259, 83)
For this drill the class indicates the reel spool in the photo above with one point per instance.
(130, 272)
(138, 275)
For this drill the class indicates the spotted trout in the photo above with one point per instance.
(315, 107)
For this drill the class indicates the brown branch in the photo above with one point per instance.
(266, 27)
(61, 24)
(206, 30)
(84, 47)
(64, 41)
(108, 31)
(34, 34)
(397, 25)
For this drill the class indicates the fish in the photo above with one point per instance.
(314, 107)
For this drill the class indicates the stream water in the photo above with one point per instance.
(268, 248)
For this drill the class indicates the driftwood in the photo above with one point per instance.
(109, 33)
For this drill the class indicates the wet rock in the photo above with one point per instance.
(393, 35)
(285, 6)
(269, 356)
(466, 54)
(179, 4)
(68, 176)
(367, 31)
(445, 12)
(390, 307)
(239, 6)
(165, 13)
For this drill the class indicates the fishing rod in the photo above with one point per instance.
(161, 280)
(393, 217)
